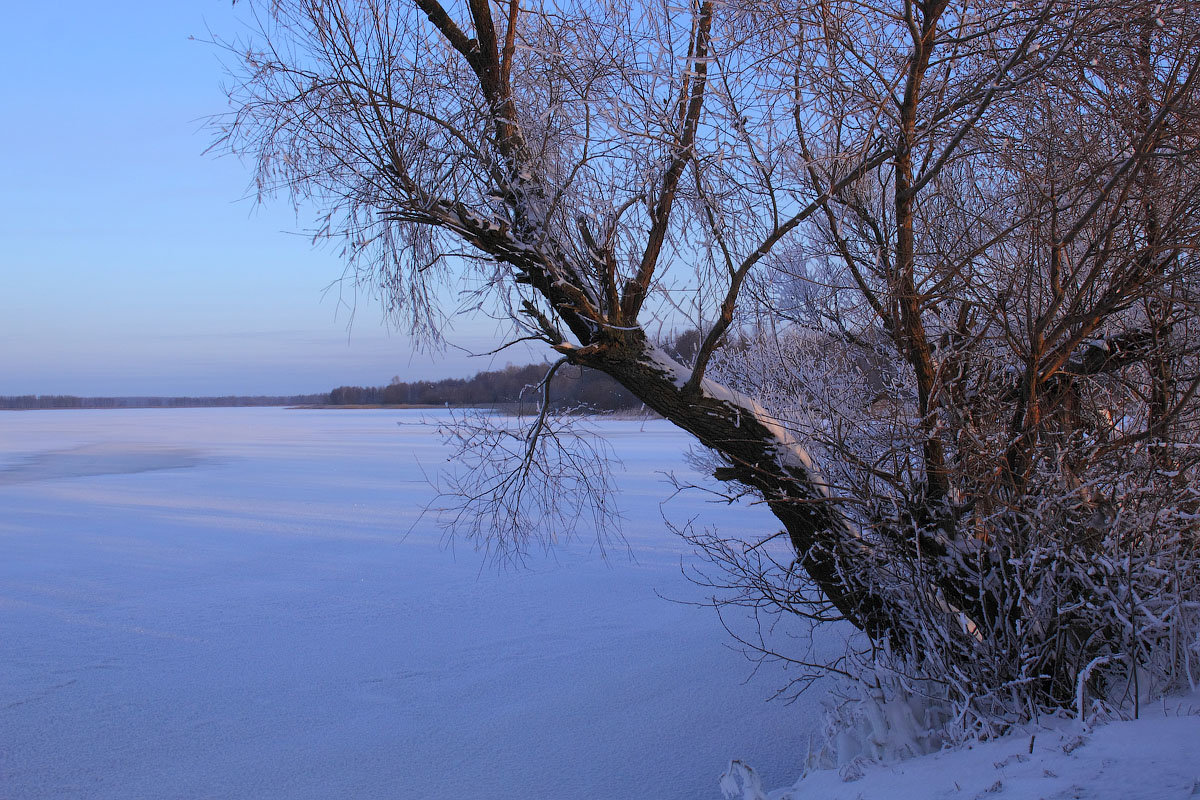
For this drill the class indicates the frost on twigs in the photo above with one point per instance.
(1077, 592)
(515, 485)
(957, 360)
(883, 718)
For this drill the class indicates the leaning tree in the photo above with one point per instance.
(940, 257)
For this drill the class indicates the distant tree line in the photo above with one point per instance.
(31, 401)
(571, 387)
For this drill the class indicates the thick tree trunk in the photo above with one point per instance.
(765, 456)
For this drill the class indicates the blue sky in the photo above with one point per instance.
(132, 262)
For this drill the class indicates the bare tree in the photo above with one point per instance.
(945, 251)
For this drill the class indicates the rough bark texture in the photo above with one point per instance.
(827, 547)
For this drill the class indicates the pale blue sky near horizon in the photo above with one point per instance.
(134, 264)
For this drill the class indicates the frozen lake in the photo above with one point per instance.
(222, 603)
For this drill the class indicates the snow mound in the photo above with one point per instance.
(1156, 757)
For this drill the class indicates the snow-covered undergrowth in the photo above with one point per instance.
(1079, 580)
(223, 603)
(1156, 757)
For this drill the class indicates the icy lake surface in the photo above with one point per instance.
(222, 603)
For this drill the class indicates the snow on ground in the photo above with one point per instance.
(221, 603)
(1156, 757)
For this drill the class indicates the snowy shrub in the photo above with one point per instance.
(1077, 588)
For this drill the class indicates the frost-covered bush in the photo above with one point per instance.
(1075, 589)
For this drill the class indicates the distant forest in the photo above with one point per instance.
(571, 387)
(29, 401)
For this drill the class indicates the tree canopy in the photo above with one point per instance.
(941, 257)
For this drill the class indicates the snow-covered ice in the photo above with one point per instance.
(221, 603)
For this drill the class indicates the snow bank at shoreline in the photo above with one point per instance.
(1156, 757)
